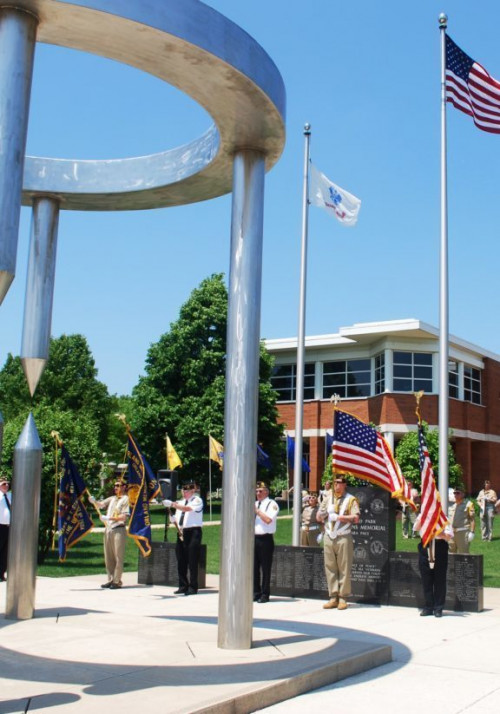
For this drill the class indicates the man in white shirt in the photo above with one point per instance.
(189, 521)
(5, 506)
(266, 513)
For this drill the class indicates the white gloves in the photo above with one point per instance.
(470, 536)
(104, 519)
(332, 516)
(91, 499)
(167, 503)
(319, 539)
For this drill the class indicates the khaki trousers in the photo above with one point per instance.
(460, 542)
(115, 540)
(338, 555)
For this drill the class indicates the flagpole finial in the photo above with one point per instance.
(335, 399)
(418, 396)
(307, 128)
(443, 20)
(123, 419)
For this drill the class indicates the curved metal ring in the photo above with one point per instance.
(192, 47)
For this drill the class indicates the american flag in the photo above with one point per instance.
(471, 89)
(360, 450)
(432, 517)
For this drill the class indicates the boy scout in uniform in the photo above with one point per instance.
(461, 515)
(339, 511)
(486, 500)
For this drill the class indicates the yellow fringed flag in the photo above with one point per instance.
(173, 459)
(216, 451)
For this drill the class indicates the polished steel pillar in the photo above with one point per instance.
(241, 410)
(17, 45)
(23, 534)
(39, 289)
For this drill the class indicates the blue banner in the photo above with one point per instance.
(142, 487)
(290, 450)
(73, 521)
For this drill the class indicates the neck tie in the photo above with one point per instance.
(7, 501)
(181, 519)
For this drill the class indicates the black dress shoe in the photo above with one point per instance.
(191, 591)
(426, 612)
(257, 597)
(114, 586)
(438, 613)
(107, 585)
(263, 598)
(180, 591)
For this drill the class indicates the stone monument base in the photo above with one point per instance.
(160, 568)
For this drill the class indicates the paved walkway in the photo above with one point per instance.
(142, 649)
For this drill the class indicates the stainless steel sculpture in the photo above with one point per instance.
(242, 378)
(199, 51)
(23, 537)
(39, 289)
(17, 44)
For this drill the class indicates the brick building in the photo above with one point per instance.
(375, 368)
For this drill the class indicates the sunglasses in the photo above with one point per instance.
(188, 487)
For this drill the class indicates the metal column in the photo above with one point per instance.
(23, 536)
(241, 411)
(17, 47)
(39, 289)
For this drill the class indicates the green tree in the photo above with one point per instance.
(182, 392)
(70, 400)
(408, 458)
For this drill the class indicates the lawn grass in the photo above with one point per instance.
(87, 557)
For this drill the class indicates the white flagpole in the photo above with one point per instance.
(209, 478)
(443, 288)
(299, 376)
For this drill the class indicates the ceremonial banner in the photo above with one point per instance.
(216, 451)
(432, 517)
(290, 451)
(359, 449)
(73, 521)
(142, 487)
(263, 458)
(173, 459)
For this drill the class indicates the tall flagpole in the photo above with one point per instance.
(299, 376)
(443, 289)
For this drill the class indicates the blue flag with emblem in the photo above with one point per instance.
(263, 459)
(290, 451)
(73, 520)
(142, 487)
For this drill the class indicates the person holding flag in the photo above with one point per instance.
(189, 521)
(435, 533)
(115, 534)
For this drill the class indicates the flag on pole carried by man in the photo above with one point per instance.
(471, 89)
(432, 517)
(142, 488)
(263, 459)
(216, 451)
(359, 449)
(173, 459)
(73, 522)
(325, 194)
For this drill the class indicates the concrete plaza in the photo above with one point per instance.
(142, 647)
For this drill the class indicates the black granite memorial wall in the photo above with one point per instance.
(379, 574)
(160, 568)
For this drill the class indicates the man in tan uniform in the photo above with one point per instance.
(486, 500)
(461, 515)
(310, 528)
(115, 534)
(339, 511)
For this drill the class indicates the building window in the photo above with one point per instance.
(472, 384)
(283, 380)
(412, 371)
(347, 378)
(453, 380)
(380, 373)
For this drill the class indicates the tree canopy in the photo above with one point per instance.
(70, 400)
(408, 458)
(183, 390)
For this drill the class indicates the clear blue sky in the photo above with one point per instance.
(366, 76)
